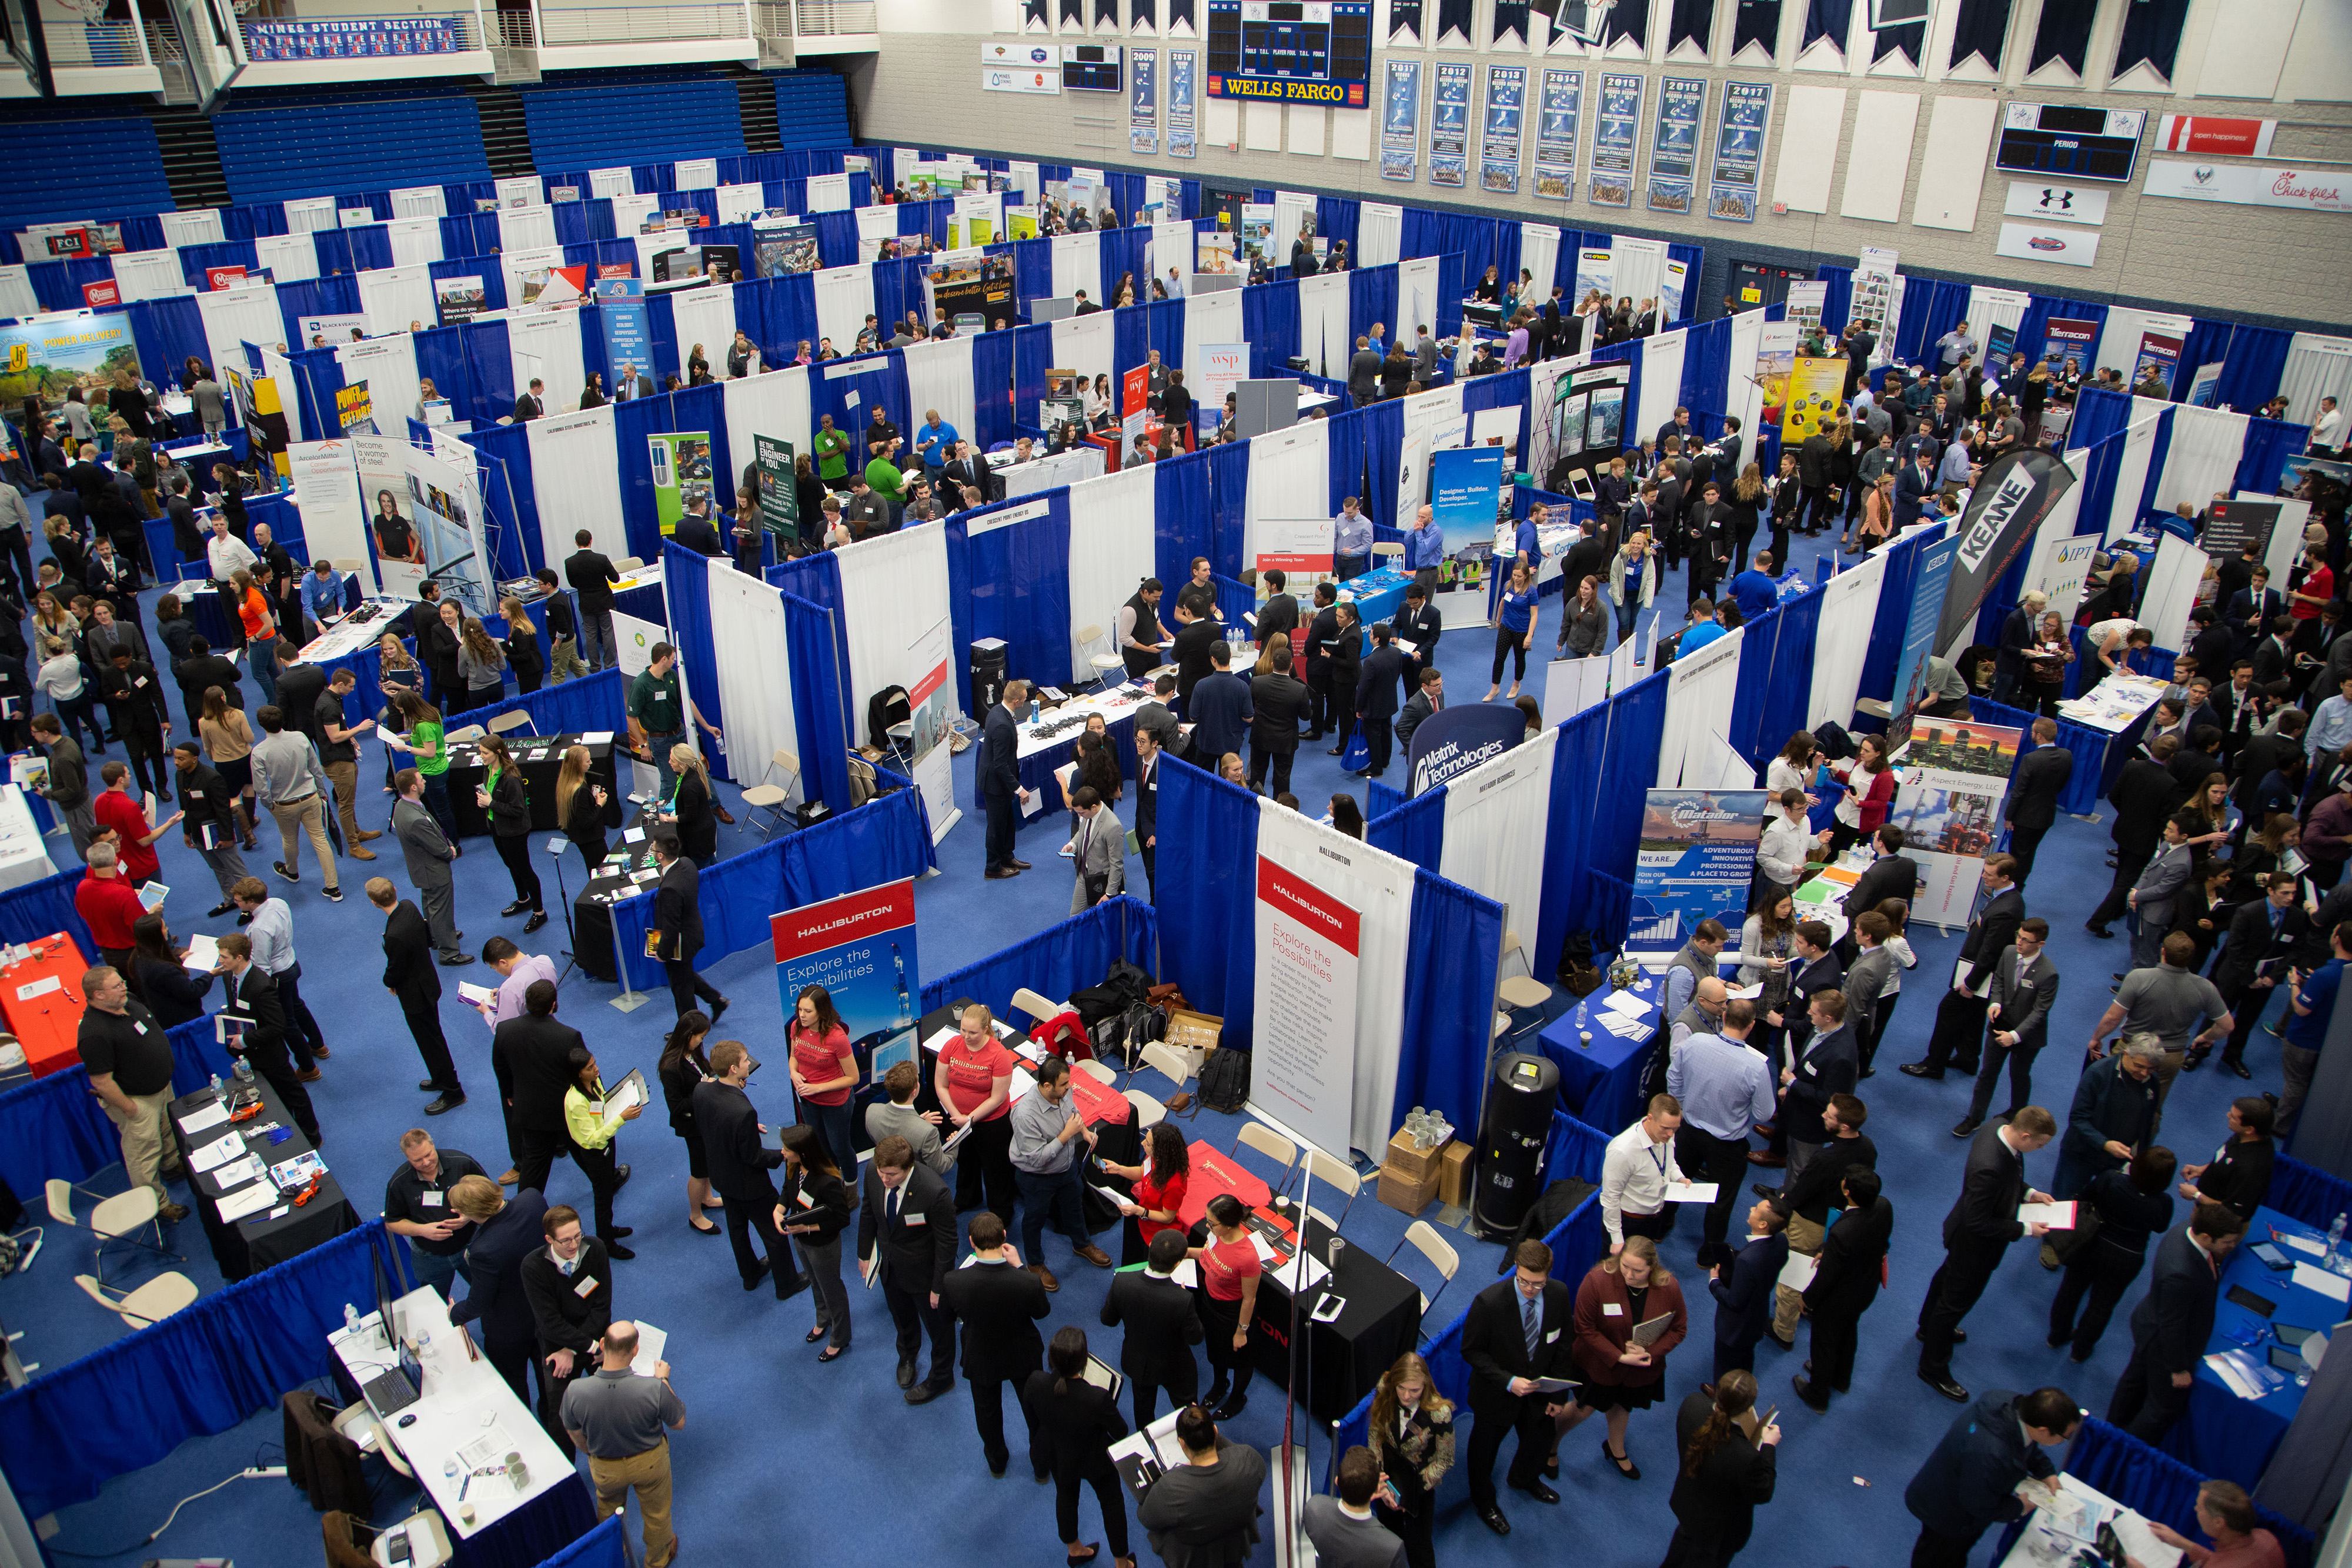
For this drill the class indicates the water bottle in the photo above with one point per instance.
(350, 1318)
(2336, 1244)
(216, 1086)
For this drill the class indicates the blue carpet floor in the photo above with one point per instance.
(774, 1440)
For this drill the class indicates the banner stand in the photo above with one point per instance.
(629, 1000)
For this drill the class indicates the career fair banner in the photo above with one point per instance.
(1674, 142)
(46, 355)
(1449, 128)
(2067, 338)
(1498, 148)
(1465, 487)
(1401, 121)
(2005, 509)
(1452, 740)
(1182, 140)
(1876, 294)
(1556, 132)
(681, 467)
(861, 948)
(2159, 353)
(1696, 859)
(1303, 1065)
(780, 504)
(1955, 780)
(1919, 628)
(1747, 115)
(628, 332)
(931, 698)
(1143, 101)
(334, 523)
(1776, 363)
(1616, 130)
(1815, 386)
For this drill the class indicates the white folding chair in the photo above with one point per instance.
(1325, 1171)
(772, 798)
(1104, 660)
(465, 734)
(507, 722)
(1148, 1112)
(1273, 1145)
(1095, 1070)
(627, 564)
(1167, 1060)
(1425, 1241)
(116, 1218)
(1037, 1006)
(151, 1302)
(1514, 953)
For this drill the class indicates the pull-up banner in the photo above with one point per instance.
(1452, 741)
(1303, 1062)
(2008, 505)
(860, 948)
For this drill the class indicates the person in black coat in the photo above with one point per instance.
(531, 1056)
(1742, 1288)
(531, 403)
(251, 997)
(1420, 624)
(1278, 700)
(1844, 1284)
(173, 992)
(586, 816)
(1343, 664)
(2132, 1206)
(739, 1166)
(677, 926)
(2041, 776)
(1892, 875)
(2263, 935)
(506, 1231)
(1503, 1398)
(696, 532)
(1958, 1036)
(1072, 1425)
(693, 809)
(2017, 636)
(1320, 630)
(1727, 1471)
(1970, 1482)
(906, 1231)
(2172, 1323)
(1378, 697)
(1218, 706)
(1197, 632)
(1977, 1233)
(569, 1284)
(2239, 1176)
(1148, 757)
(411, 974)
(1162, 1326)
(999, 1301)
(2144, 796)
(814, 1211)
(999, 771)
(1278, 616)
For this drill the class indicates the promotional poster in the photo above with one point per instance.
(1674, 142)
(1738, 173)
(1616, 129)
(1400, 120)
(681, 469)
(779, 250)
(861, 948)
(2011, 496)
(355, 409)
(1776, 363)
(1815, 389)
(1875, 292)
(1498, 148)
(2159, 359)
(1304, 1063)
(1807, 300)
(325, 331)
(2065, 338)
(459, 300)
(780, 504)
(45, 355)
(931, 697)
(1696, 858)
(1561, 113)
(628, 331)
(1949, 806)
(1465, 487)
(1927, 594)
(1449, 129)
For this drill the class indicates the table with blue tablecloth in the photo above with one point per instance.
(1379, 594)
(1042, 755)
(1601, 1084)
(2224, 1434)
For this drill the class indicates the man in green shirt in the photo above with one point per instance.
(882, 475)
(658, 710)
(831, 453)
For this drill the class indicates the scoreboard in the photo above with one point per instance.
(1090, 68)
(2065, 141)
(1291, 51)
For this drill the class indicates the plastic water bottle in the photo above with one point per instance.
(2336, 1245)
(350, 1318)
(216, 1086)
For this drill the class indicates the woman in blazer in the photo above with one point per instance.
(1342, 662)
(1076, 1423)
(813, 1211)
(581, 806)
(173, 992)
(1412, 1431)
(502, 794)
(693, 808)
(525, 657)
(682, 1066)
(1620, 1376)
(1726, 1472)
(1632, 581)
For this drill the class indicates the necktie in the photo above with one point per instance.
(1086, 839)
(1531, 1320)
(895, 1193)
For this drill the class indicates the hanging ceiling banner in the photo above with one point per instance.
(1746, 116)
(1449, 130)
(1673, 143)
(1182, 141)
(1401, 121)
(1498, 148)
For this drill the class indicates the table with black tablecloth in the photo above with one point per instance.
(629, 871)
(542, 761)
(1343, 1359)
(247, 1246)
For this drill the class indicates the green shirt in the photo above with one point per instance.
(882, 477)
(427, 733)
(654, 702)
(829, 462)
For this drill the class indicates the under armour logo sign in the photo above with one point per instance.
(2057, 200)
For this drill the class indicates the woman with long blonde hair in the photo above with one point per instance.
(693, 806)
(228, 741)
(1413, 1432)
(502, 794)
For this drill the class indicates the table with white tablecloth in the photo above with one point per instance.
(24, 854)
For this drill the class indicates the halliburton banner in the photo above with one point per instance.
(2015, 493)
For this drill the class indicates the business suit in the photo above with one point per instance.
(1321, 712)
(528, 408)
(530, 1056)
(1495, 1343)
(1072, 1425)
(1970, 1483)
(1147, 816)
(1714, 1505)
(1219, 711)
(565, 1318)
(1276, 619)
(738, 1165)
(1825, 1065)
(1867, 979)
(409, 974)
(1743, 1300)
(1190, 651)
(1844, 1285)
(1960, 1016)
(628, 388)
(253, 996)
(2253, 938)
(998, 1305)
(1198, 1518)
(1409, 717)
(2041, 776)
(1000, 785)
(910, 1230)
(2024, 990)
(1888, 876)
(1977, 1233)
(1278, 701)
(677, 929)
(427, 852)
(696, 532)
(494, 1293)
(2159, 887)
(1376, 698)
(2017, 636)
(1422, 627)
(1911, 486)
(2143, 796)
(1156, 1352)
(1098, 864)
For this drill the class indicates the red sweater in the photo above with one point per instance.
(108, 907)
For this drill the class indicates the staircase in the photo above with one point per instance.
(505, 137)
(191, 159)
(756, 92)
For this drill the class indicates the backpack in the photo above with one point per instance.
(1224, 1080)
(1124, 1034)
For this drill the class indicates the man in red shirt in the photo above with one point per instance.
(116, 810)
(974, 1079)
(2307, 598)
(107, 905)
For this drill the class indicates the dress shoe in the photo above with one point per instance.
(702, 1229)
(1966, 1127)
(1815, 1396)
(1492, 1518)
(1942, 1384)
(905, 1374)
(1537, 1491)
(2101, 932)
(1789, 1344)
(218, 910)
(1233, 1405)
(426, 1084)
(322, 1053)
(613, 1250)
(718, 1010)
(2192, 1061)
(1335, 751)
(538, 918)
(1766, 1158)
(369, 833)
(1625, 1466)
(2056, 1340)
(2240, 1068)
(999, 874)
(362, 852)
(1769, 1194)
(308, 1075)
(446, 1102)
(456, 959)
(1020, 865)
(1045, 1276)
(172, 1213)
(1959, 1336)
(752, 1285)
(1766, 1129)
(512, 1178)
(1920, 1070)
(1095, 1256)
(923, 1393)
(617, 1232)
(512, 910)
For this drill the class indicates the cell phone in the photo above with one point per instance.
(395, 1550)
(1328, 1310)
(2252, 1303)
(2272, 1257)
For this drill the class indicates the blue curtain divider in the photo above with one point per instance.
(584, 702)
(1412, 830)
(1063, 958)
(1574, 1149)
(1448, 1004)
(1181, 489)
(1011, 581)
(54, 1127)
(43, 908)
(2308, 1193)
(607, 1546)
(1211, 827)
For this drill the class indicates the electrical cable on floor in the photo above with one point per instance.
(252, 1472)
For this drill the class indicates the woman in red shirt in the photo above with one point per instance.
(824, 1071)
(1158, 1190)
(1869, 782)
(974, 1081)
(1229, 1274)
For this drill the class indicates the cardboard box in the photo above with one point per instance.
(1193, 1032)
(1453, 1169)
(1406, 1194)
(1413, 1163)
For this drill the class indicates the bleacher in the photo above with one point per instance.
(634, 122)
(64, 169)
(302, 149)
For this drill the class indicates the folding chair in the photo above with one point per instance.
(1328, 1172)
(1426, 1241)
(772, 798)
(1148, 1112)
(1104, 660)
(151, 1302)
(1273, 1145)
(1096, 1070)
(1037, 1006)
(507, 722)
(116, 1218)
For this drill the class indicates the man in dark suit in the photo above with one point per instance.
(1203, 1513)
(1377, 698)
(1280, 615)
(591, 574)
(2017, 637)
(907, 1232)
(1277, 702)
(531, 403)
(1000, 779)
(678, 927)
(569, 1284)
(2274, 658)
(1960, 1016)
(1321, 715)
(1518, 1330)
(530, 1055)
(738, 1163)
(1828, 1063)
(2040, 778)
(505, 1233)
(1148, 757)
(1911, 486)
(2172, 1323)
(2017, 1022)
(1161, 1327)
(1976, 1234)
(998, 1302)
(1197, 632)
(2258, 757)
(696, 532)
(2265, 931)
(969, 467)
(2250, 611)
(1219, 704)
(1892, 875)
(1420, 624)
(1845, 1282)
(631, 384)
(1970, 1482)
(1364, 373)
(2144, 795)
(1743, 1300)
(411, 974)
(2213, 645)
(252, 998)
(1429, 699)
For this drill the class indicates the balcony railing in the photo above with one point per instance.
(832, 18)
(292, 40)
(164, 39)
(83, 46)
(515, 31)
(560, 26)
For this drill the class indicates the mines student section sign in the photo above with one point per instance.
(1303, 1064)
(860, 948)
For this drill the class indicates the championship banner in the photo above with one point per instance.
(1498, 148)
(780, 503)
(1405, 24)
(1616, 129)
(1303, 1064)
(1696, 859)
(1143, 101)
(2011, 496)
(2067, 338)
(1816, 386)
(1449, 127)
(1955, 780)
(681, 467)
(1919, 628)
(860, 948)
(1452, 740)
(1556, 133)
(1401, 121)
(1182, 140)
(1673, 143)
(1738, 173)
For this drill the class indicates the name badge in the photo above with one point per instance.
(432, 1199)
(1612, 1310)
(141, 1028)
(914, 1217)
(1552, 1336)
(805, 1200)
(586, 1284)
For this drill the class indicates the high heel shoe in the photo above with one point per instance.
(1624, 1462)
(1087, 1555)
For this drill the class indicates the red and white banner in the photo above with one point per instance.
(2251, 185)
(2215, 134)
(219, 278)
(99, 295)
(1302, 1034)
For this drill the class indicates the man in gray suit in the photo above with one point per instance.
(897, 1117)
(1204, 1514)
(1341, 1525)
(1867, 979)
(428, 853)
(1100, 857)
(2024, 988)
(2153, 894)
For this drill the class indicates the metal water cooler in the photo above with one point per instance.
(987, 674)
(1520, 1099)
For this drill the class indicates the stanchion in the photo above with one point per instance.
(556, 846)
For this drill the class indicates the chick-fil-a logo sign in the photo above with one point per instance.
(2246, 184)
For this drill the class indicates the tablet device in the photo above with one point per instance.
(2271, 1255)
(2289, 1334)
(2288, 1359)
(2251, 1301)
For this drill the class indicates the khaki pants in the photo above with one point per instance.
(146, 1136)
(649, 1473)
(563, 659)
(309, 815)
(1788, 1305)
(345, 777)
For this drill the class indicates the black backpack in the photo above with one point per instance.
(883, 708)
(1124, 1034)
(1224, 1080)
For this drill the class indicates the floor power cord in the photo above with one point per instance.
(255, 1471)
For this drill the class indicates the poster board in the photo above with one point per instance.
(681, 470)
(1955, 780)
(861, 948)
(1696, 856)
(1303, 1062)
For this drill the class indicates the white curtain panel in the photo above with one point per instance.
(1172, 246)
(1662, 381)
(1416, 296)
(2171, 591)
(630, 210)
(1496, 821)
(2131, 477)
(1990, 308)
(1084, 343)
(310, 213)
(695, 173)
(828, 193)
(1379, 234)
(2119, 341)
(1078, 263)
(1071, 467)
(16, 297)
(234, 317)
(1323, 324)
(420, 201)
(845, 298)
(416, 242)
(521, 191)
(1640, 266)
(546, 344)
(388, 365)
(1744, 397)
(1848, 600)
(650, 246)
(1111, 551)
(774, 404)
(2316, 367)
(704, 315)
(1289, 477)
(1422, 415)
(2202, 461)
(288, 258)
(739, 204)
(1291, 210)
(279, 369)
(575, 465)
(200, 227)
(876, 224)
(526, 228)
(1700, 687)
(893, 588)
(1378, 888)
(149, 275)
(1540, 255)
(393, 296)
(939, 376)
(607, 182)
(1212, 318)
(753, 675)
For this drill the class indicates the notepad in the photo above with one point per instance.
(481, 996)
(41, 987)
(2323, 1281)
(1650, 1331)
(250, 1201)
(1690, 1192)
(218, 1153)
(203, 954)
(1625, 1002)
(204, 1116)
(2052, 1216)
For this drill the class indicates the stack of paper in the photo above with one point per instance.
(204, 1116)
(248, 1201)
(1623, 1027)
(651, 1343)
(2049, 1216)
(203, 954)
(219, 1152)
(2245, 1377)
(2325, 1281)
